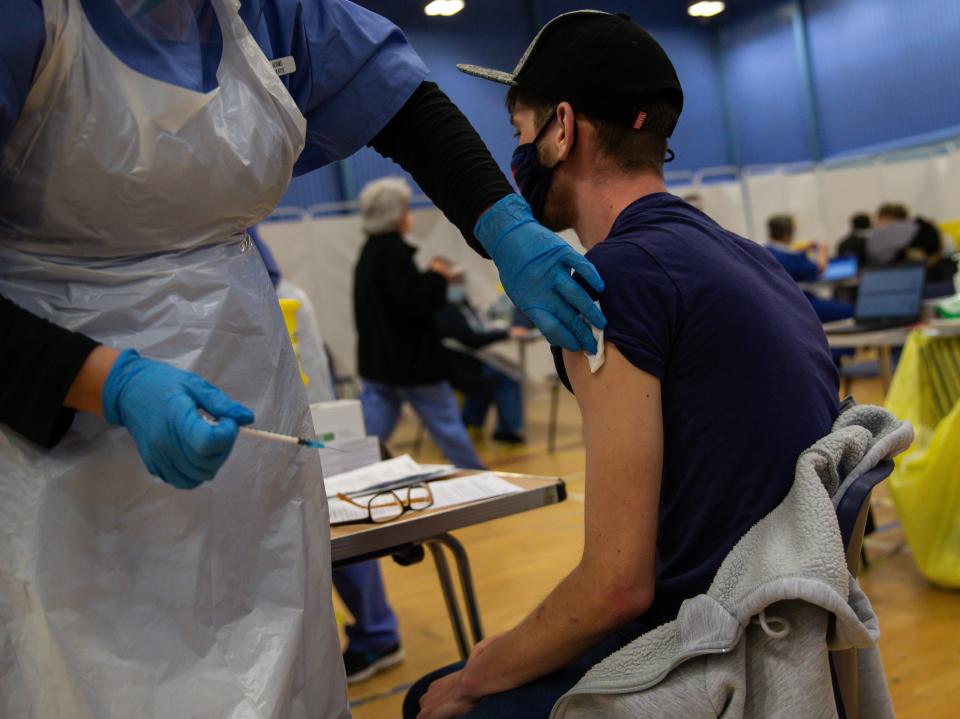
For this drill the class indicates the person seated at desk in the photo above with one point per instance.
(480, 383)
(854, 244)
(899, 239)
(780, 232)
(717, 372)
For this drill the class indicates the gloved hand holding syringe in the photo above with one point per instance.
(183, 426)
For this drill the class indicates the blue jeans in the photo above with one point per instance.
(360, 586)
(437, 407)
(502, 391)
(530, 701)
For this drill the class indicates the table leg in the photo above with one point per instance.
(446, 586)
(523, 376)
(885, 363)
(466, 583)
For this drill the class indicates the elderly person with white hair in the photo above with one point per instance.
(400, 359)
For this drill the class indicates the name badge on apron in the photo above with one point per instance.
(284, 65)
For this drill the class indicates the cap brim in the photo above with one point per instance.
(504, 78)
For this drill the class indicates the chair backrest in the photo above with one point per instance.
(852, 509)
(853, 506)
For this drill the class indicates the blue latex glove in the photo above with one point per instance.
(158, 404)
(535, 266)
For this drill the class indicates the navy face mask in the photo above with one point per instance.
(532, 177)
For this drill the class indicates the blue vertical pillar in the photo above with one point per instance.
(815, 135)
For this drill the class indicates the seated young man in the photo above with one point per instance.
(717, 373)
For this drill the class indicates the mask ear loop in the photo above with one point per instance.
(670, 156)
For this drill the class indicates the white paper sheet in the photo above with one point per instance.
(349, 454)
(359, 479)
(446, 493)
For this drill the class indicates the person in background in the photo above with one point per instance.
(894, 232)
(899, 238)
(716, 376)
(854, 243)
(780, 231)
(480, 383)
(400, 361)
(313, 358)
(695, 200)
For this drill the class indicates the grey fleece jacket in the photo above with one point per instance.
(755, 646)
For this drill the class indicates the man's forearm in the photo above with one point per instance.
(576, 615)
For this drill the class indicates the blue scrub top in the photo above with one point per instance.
(355, 69)
(797, 264)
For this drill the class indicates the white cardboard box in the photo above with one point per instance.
(342, 419)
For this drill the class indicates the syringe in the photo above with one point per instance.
(286, 438)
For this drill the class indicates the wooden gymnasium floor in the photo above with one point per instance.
(516, 560)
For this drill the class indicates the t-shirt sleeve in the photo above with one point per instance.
(355, 70)
(641, 303)
(22, 36)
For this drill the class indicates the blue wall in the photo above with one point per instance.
(768, 81)
(763, 83)
(884, 70)
(495, 33)
(877, 74)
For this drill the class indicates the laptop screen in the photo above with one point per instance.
(842, 268)
(895, 292)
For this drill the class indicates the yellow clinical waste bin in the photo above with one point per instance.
(925, 485)
(290, 308)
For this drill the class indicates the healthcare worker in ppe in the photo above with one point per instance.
(138, 138)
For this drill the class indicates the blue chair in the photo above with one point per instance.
(853, 509)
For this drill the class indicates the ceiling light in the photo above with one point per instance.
(445, 8)
(706, 8)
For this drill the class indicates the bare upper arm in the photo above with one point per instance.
(623, 428)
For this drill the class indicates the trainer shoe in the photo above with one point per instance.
(361, 666)
(509, 437)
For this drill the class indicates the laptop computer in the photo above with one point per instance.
(839, 269)
(888, 297)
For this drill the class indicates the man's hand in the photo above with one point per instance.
(443, 267)
(518, 332)
(450, 696)
(535, 265)
(446, 698)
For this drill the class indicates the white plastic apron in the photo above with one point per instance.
(120, 202)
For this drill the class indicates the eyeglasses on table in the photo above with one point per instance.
(387, 506)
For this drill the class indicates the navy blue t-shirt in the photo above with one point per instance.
(747, 380)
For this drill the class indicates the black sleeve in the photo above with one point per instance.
(38, 363)
(431, 139)
(927, 239)
(409, 292)
(451, 323)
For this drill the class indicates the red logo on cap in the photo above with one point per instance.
(641, 118)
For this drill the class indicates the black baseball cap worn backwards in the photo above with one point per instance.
(602, 64)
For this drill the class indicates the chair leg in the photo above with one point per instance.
(868, 529)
